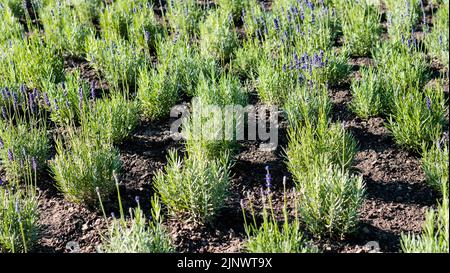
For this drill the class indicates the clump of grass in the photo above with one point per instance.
(417, 117)
(360, 25)
(23, 146)
(82, 164)
(137, 235)
(269, 236)
(218, 38)
(367, 94)
(435, 235)
(113, 118)
(329, 199)
(195, 188)
(18, 219)
(435, 164)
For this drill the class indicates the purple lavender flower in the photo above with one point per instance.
(5, 116)
(31, 101)
(22, 89)
(276, 24)
(10, 155)
(46, 100)
(55, 101)
(2, 145)
(268, 178)
(137, 200)
(1, 182)
(33, 163)
(297, 62)
(428, 101)
(15, 100)
(93, 90)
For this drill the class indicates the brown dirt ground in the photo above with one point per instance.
(397, 195)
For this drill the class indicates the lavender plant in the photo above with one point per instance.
(23, 146)
(112, 119)
(9, 26)
(307, 105)
(417, 117)
(368, 94)
(185, 63)
(360, 25)
(184, 17)
(82, 164)
(247, 58)
(270, 236)
(403, 66)
(67, 100)
(254, 20)
(31, 62)
(329, 199)
(437, 41)
(434, 238)
(67, 28)
(208, 126)
(195, 188)
(137, 234)
(435, 164)
(402, 17)
(18, 219)
(118, 60)
(158, 91)
(235, 7)
(22, 9)
(310, 145)
(218, 38)
(133, 21)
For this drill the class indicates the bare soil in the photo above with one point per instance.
(396, 201)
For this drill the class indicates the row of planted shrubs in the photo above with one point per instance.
(288, 54)
(397, 88)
